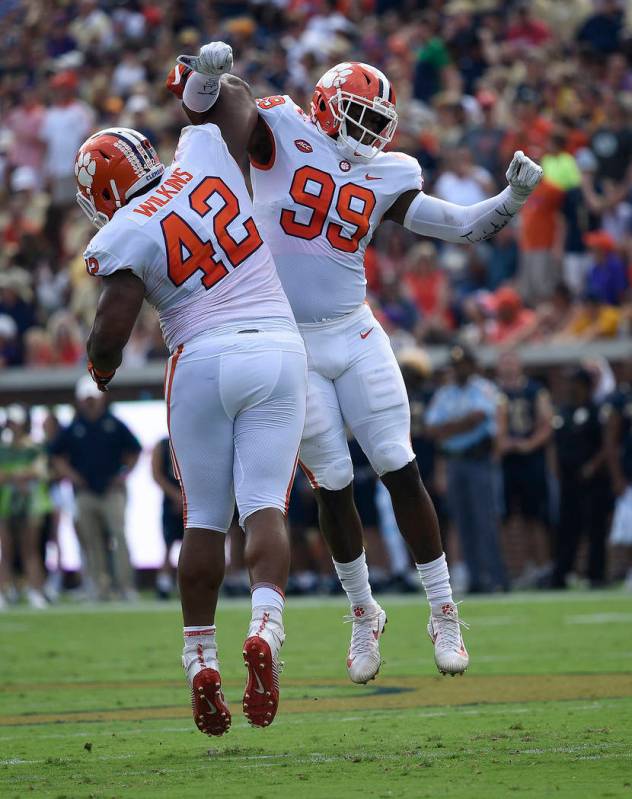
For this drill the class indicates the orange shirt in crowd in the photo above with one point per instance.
(427, 292)
(532, 139)
(503, 332)
(538, 217)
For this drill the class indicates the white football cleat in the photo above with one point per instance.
(364, 659)
(444, 629)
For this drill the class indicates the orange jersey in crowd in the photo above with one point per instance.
(538, 218)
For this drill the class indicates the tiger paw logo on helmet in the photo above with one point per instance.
(336, 76)
(85, 167)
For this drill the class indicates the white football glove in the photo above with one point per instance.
(214, 59)
(523, 175)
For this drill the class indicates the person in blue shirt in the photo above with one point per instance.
(96, 452)
(462, 420)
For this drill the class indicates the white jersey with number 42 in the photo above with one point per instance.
(317, 210)
(193, 242)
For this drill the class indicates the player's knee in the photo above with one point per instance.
(391, 456)
(336, 475)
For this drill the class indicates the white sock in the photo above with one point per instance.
(267, 596)
(204, 635)
(197, 643)
(201, 92)
(354, 578)
(435, 579)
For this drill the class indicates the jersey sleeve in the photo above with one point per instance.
(404, 174)
(276, 108)
(118, 249)
(195, 141)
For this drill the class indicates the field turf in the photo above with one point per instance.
(93, 704)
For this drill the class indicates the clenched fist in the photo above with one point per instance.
(523, 175)
(214, 59)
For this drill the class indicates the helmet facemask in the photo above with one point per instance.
(359, 119)
(98, 218)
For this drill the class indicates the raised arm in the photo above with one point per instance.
(430, 216)
(210, 94)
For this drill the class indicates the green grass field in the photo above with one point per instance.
(93, 704)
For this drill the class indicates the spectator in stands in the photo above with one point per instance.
(172, 509)
(38, 348)
(514, 323)
(462, 182)
(555, 315)
(602, 30)
(429, 288)
(16, 301)
(65, 339)
(92, 28)
(484, 140)
(66, 125)
(540, 236)
(583, 480)
(524, 432)
(96, 453)
(529, 130)
(578, 218)
(462, 421)
(611, 142)
(591, 320)
(607, 276)
(432, 60)
(24, 122)
(526, 31)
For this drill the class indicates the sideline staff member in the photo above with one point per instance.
(462, 420)
(96, 452)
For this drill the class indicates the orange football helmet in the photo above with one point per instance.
(110, 167)
(343, 97)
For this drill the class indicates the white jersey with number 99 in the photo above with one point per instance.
(317, 210)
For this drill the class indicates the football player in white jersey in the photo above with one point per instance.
(322, 184)
(184, 238)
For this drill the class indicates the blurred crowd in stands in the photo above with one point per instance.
(475, 79)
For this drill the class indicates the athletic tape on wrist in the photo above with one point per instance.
(201, 92)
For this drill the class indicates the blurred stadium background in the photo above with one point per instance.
(475, 80)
